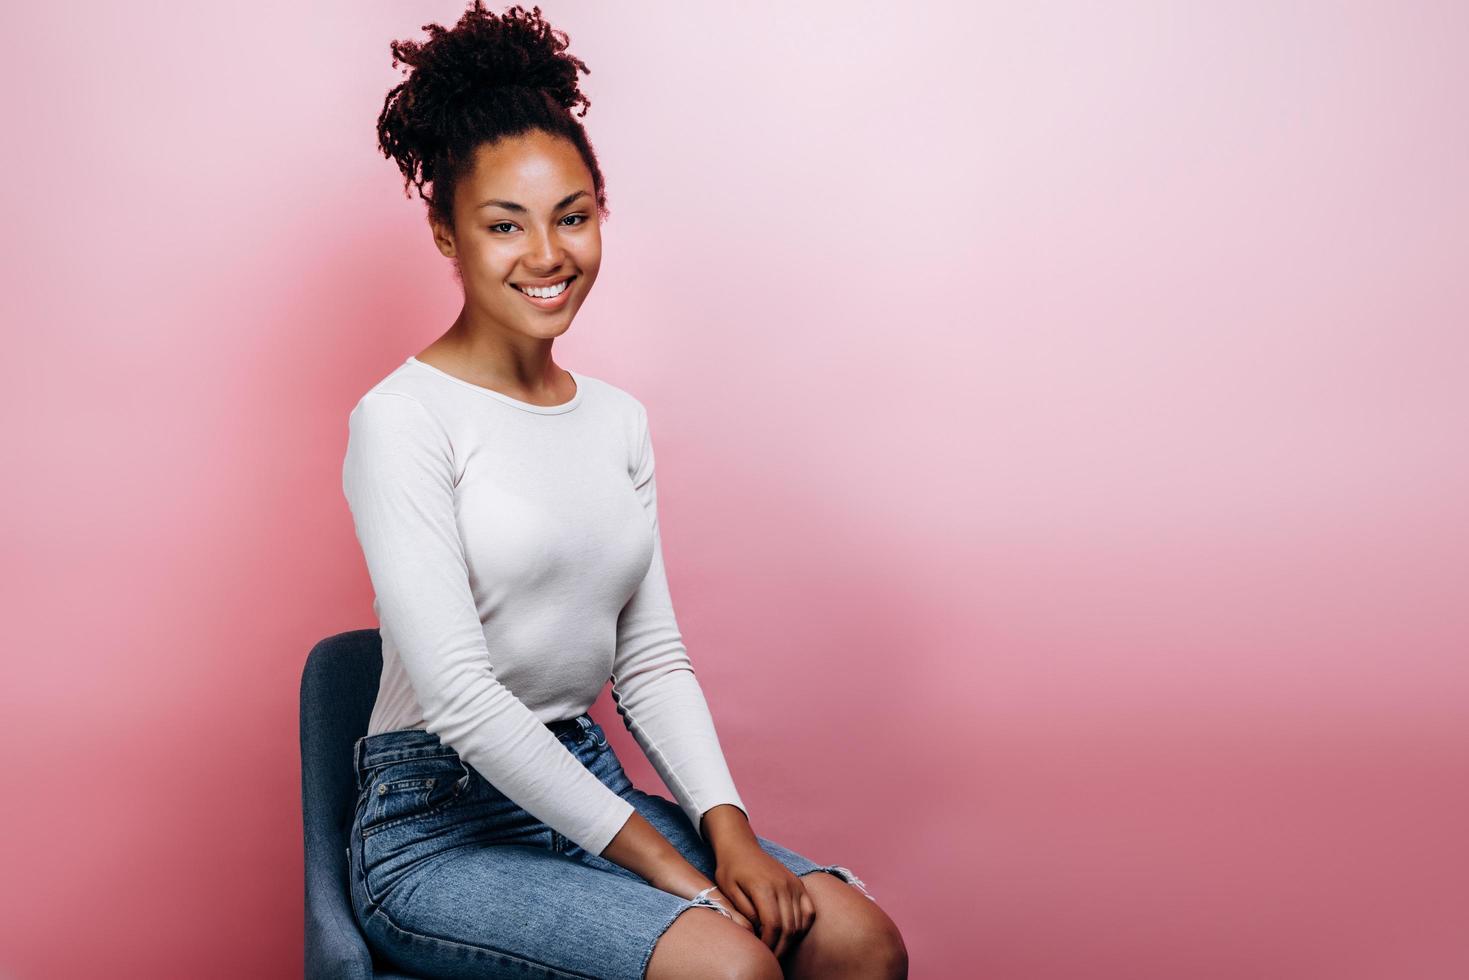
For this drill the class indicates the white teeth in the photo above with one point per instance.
(545, 292)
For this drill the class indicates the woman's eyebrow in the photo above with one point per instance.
(512, 206)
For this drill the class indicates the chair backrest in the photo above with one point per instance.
(338, 687)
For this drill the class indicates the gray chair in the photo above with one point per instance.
(338, 687)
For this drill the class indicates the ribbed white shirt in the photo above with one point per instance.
(517, 566)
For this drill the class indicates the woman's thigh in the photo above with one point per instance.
(516, 910)
(450, 879)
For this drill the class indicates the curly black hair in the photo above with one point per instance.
(488, 78)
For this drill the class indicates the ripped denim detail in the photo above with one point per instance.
(703, 899)
(847, 875)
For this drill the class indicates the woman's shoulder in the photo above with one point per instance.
(403, 382)
(401, 403)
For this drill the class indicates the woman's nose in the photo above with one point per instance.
(545, 252)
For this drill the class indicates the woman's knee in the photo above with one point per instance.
(884, 948)
(852, 935)
(706, 944)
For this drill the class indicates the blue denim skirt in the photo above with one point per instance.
(449, 878)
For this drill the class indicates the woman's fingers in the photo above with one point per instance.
(788, 924)
(733, 909)
(808, 911)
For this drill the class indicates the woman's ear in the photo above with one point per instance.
(443, 238)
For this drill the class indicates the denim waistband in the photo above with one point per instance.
(416, 743)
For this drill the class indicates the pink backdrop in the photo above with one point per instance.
(1061, 418)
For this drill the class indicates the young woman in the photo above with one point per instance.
(507, 511)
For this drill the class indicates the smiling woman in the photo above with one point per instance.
(483, 127)
(507, 510)
(523, 237)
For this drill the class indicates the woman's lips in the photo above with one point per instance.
(554, 303)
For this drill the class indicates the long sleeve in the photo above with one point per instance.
(398, 477)
(653, 682)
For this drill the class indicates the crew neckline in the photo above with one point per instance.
(564, 407)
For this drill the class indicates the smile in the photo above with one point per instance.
(548, 299)
(546, 292)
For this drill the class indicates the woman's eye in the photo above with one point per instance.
(509, 226)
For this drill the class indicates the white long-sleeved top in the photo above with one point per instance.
(517, 565)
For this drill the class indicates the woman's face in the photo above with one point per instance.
(525, 217)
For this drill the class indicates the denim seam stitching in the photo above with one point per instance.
(397, 821)
(379, 763)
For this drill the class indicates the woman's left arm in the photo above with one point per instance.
(662, 704)
(653, 682)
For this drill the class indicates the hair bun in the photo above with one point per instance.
(488, 77)
(483, 53)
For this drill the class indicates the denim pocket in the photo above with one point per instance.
(410, 789)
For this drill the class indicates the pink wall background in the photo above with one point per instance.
(1061, 416)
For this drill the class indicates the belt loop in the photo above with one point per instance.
(587, 734)
(357, 763)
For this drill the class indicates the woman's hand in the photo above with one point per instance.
(764, 890)
(734, 913)
(694, 883)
